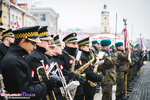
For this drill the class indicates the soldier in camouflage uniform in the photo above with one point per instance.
(95, 47)
(131, 70)
(120, 69)
(109, 78)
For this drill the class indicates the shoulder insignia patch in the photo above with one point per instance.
(70, 61)
(61, 67)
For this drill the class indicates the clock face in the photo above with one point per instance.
(105, 18)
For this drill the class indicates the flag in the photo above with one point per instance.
(129, 55)
(16, 23)
(125, 38)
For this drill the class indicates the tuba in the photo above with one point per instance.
(41, 79)
(93, 84)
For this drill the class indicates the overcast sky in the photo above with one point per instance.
(87, 14)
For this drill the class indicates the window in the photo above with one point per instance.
(4, 14)
(105, 29)
(13, 18)
(16, 18)
(35, 15)
(43, 17)
(4, 25)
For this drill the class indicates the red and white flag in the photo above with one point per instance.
(125, 38)
(16, 23)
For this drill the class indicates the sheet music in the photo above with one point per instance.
(101, 54)
(78, 55)
(72, 85)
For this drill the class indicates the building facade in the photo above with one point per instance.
(105, 20)
(46, 17)
(14, 15)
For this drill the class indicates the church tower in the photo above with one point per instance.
(105, 20)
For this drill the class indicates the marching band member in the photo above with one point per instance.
(89, 91)
(15, 69)
(67, 58)
(34, 60)
(7, 39)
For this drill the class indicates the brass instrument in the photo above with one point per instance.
(2, 86)
(73, 91)
(93, 84)
(82, 68)
(65, 93)
(41, 79)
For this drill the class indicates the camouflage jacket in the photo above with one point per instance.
(108, 66)
(122, 59)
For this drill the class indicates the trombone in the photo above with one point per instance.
(65, 93)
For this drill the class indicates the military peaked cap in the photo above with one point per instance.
(30, 33)
(72, 37)
(56, 40)
(84, 41)
(105, 42)
(52, 41)
(43, 33)
(118, 44)
(8, 33)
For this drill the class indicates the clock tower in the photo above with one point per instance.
(105, 20)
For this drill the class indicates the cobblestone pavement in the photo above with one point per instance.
(141, 89)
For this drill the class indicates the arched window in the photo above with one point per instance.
(105, 29)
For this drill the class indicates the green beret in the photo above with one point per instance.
(94, 42)
(112, 47)
(135, 46)
(105, 42)
(118, 44)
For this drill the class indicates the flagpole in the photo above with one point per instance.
(116, 28)
(140, 53)
(125, 44)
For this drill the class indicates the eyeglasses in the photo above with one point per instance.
(33, 43)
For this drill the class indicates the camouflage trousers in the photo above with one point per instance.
(120, 83)
(107, 92)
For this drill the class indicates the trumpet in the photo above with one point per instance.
(65, 93)
(41, 79)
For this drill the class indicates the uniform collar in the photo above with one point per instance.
(49, 56)
(15, 48)
(70, 50)
(105, 51)
(85, 52)
(119, 50)
(5, 45)
(41, 49)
